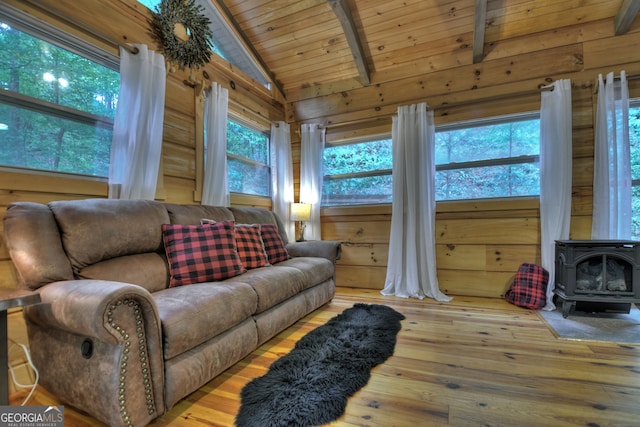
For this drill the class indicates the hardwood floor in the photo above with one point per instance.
(471, 362)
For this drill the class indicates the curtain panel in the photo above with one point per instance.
(137, 130)
(282, 175)
(215, 185)
(555, 174)
(311, 175)
(411, 269)
(612, 161)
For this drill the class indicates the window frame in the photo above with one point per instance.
(363, 174)
(502, 161)
(232, 117)
(635, 183)
(472, 164)
(51, 34)
(634, 103)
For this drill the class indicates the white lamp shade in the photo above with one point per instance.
(300, 211)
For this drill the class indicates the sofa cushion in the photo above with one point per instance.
(315, 270)
(250, 246)
(201, 253)
(149, 270)
(273, 244)
(191, 315)
(273, 284)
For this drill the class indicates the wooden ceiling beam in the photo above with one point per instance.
(625, 16)
(478, 30)
(343, 12)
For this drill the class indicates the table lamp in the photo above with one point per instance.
(300, 212)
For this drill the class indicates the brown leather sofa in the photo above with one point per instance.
(111, 338)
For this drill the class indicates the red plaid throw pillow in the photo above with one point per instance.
(529, 288)
(201, 253)
(273, 244)
(250, 246)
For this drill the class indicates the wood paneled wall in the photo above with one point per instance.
(479, 243)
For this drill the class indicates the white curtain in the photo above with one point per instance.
(137, 131)
(312, 147)
(215, 186)
(555, 174)
(612, 163)
(411, 269)
(282, 175)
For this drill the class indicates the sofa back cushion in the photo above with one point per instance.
(251, 215)
(106, 238)
(192, 214)
(149, 270)
(33, 241)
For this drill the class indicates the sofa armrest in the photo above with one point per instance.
(82, 307)
(328, 249)
(109, 357)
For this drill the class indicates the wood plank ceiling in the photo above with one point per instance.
(352, 43)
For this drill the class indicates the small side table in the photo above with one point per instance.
(10, 298)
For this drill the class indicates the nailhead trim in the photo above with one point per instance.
(142, 357)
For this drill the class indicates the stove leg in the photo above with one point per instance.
(566, 307)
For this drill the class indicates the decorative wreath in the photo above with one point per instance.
(195, 50)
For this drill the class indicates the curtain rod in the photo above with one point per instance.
(631, 77)
(132, 49)
(494, 98)
(452, 104)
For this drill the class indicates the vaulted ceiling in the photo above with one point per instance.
(351, 43)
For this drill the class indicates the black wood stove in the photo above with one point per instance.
(603, 275)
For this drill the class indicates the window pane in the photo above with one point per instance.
(32, 132)
(635, 208)
(41, 70)
(248, 160)
(634, 142)
(492, 141)
(247, 143)
(347, 180)
(361, 157)
(496, 159)
(364, 190)
(489, 181)
(248, 178)
(38, 141)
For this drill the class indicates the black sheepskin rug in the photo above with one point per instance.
(310, 385)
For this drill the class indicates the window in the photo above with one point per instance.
(634, 142)
(489, 158)
(57, 100)
(248, 160)
(357, 173)
(496, 157)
